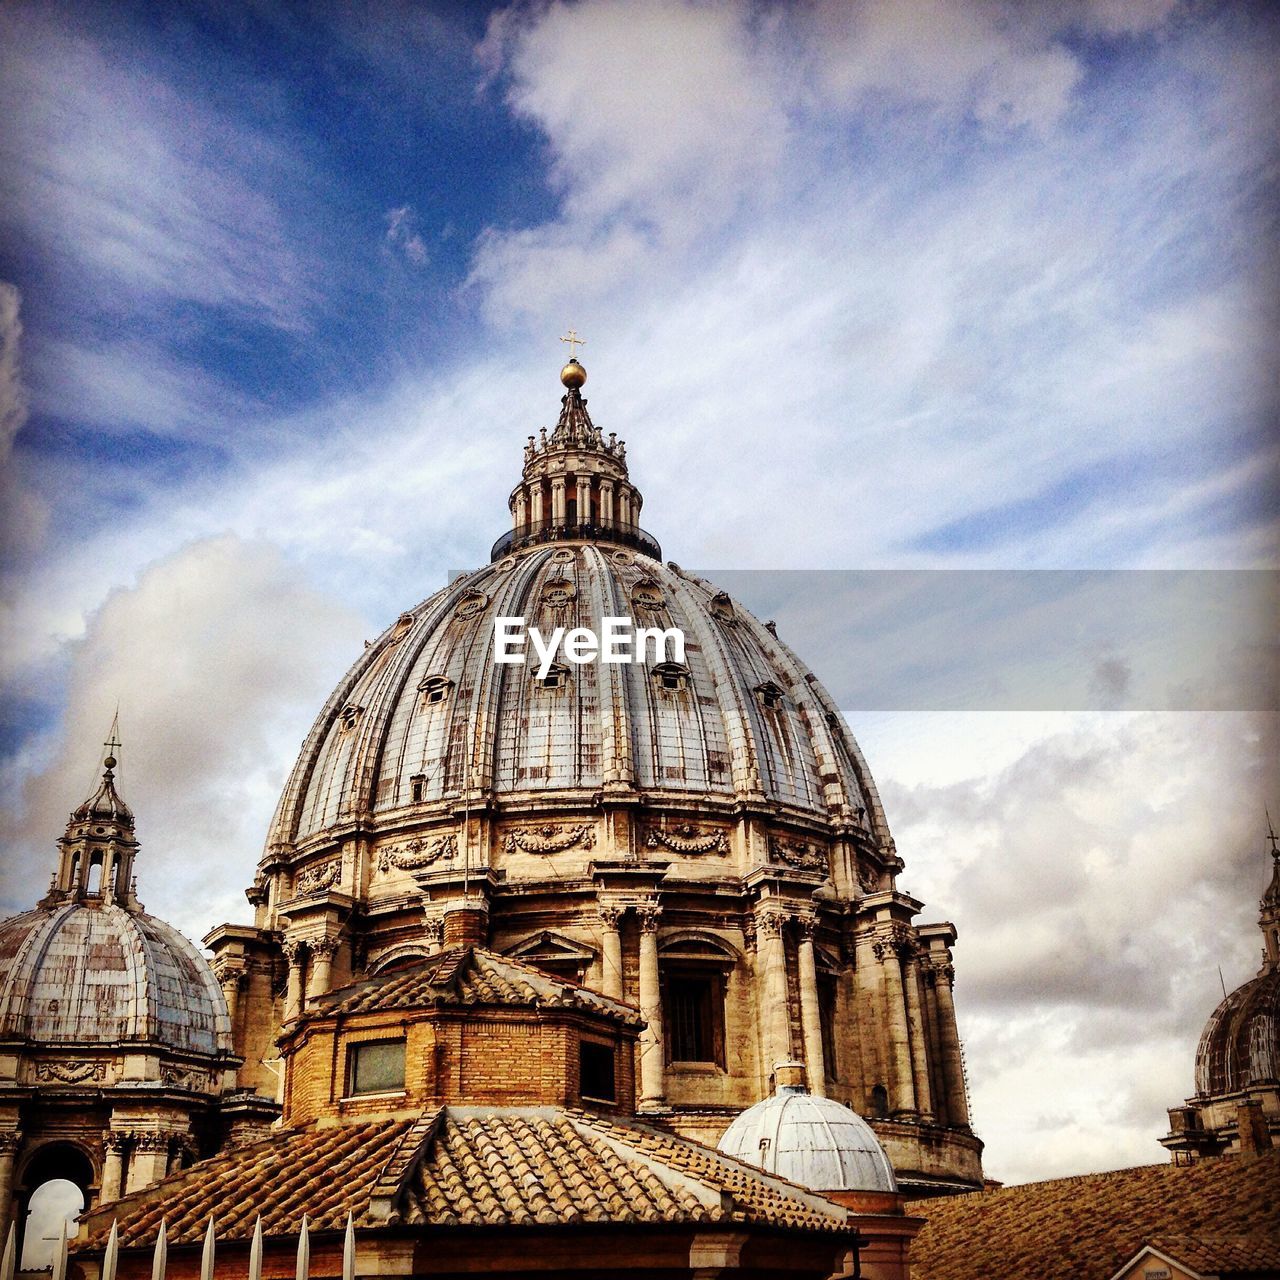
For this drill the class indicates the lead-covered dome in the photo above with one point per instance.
(1240, 1045)
(93, 973)
(815, 1142)
(741, 718)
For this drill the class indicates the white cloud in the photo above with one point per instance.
(403, 235)
(144, 189)
(1099, 868)
(218, 659)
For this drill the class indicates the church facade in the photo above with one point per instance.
(701, 838)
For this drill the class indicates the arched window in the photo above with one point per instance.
(879, 1101)
(57, 1182)
(95, 874)
(435, 689)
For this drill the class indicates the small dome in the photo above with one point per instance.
(815, 1142)
(1241, 1041)
(98, 973)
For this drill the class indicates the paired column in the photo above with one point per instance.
(113, 1142)
(150, 1159)
(811, 1011)
(611, 949)
(319, 979)
(537, 514)
(887, 951)
(915, 1022)
(952, 1060)
(557, 500)
(652, 1068)
(584, 500)
(606, 503)
(295, 954)
(10, 1144)
(773, 959)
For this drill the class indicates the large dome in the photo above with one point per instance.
(1240, 1045)
(97, 973)
(815, 1142)
(741, 719)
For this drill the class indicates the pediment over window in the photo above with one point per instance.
(554, 953)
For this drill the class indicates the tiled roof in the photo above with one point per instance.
(1089, 1226)
(320, 1172)
(461, 1166)
(1214, 1253)
(472, 976)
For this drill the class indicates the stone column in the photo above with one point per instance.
(624, 504)
(777, 1018)
(433, 931)
(915, 1023)
(318, 980)
(520, 516)
(113, 1142)
(949, 1036)
(811, 1012)
(557, 500)
(150, 1160)
(611, 949)
(294, 953)
(887, 953)
(652, 1068)
(606, 503)
(10, 1145)
(584, 500)
(536, 512)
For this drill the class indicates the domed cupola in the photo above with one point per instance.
(1237, 1072)
(815, 1142)
(117, 1045)
(575, 483)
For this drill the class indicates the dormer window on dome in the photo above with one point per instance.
(557, 677)
(770, 695)
(435, 689)
(670, 677)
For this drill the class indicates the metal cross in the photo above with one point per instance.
(574, 342)
(113, 745)
(1271, 836)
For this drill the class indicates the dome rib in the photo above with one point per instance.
(610, 725)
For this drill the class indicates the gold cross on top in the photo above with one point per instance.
(574, 342)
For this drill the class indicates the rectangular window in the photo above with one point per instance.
(377, 1067)
(595, 1063)
(693, 1018)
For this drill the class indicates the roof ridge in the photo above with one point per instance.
(400, 1165)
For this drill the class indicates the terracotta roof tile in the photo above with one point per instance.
(463, 1166)
(320, 1172)
(1091, 1225)
(1254, 1252)
(470, 976)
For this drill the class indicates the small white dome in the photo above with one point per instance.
(816, 1142)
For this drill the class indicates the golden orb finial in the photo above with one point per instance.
(573, 375)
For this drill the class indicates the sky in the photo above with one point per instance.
(866, 286)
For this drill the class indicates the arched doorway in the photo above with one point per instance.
(56, 1185)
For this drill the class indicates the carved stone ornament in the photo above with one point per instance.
(868, 877)
(409, 855)
(559, 592)
(10, 1140)
(684, 837)
(71, 1072)
(317, 878)
(798, 853)
(196, 1081)
(550, 839)
(472, 603)
(896, 940)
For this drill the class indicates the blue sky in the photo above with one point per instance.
(873, 285)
